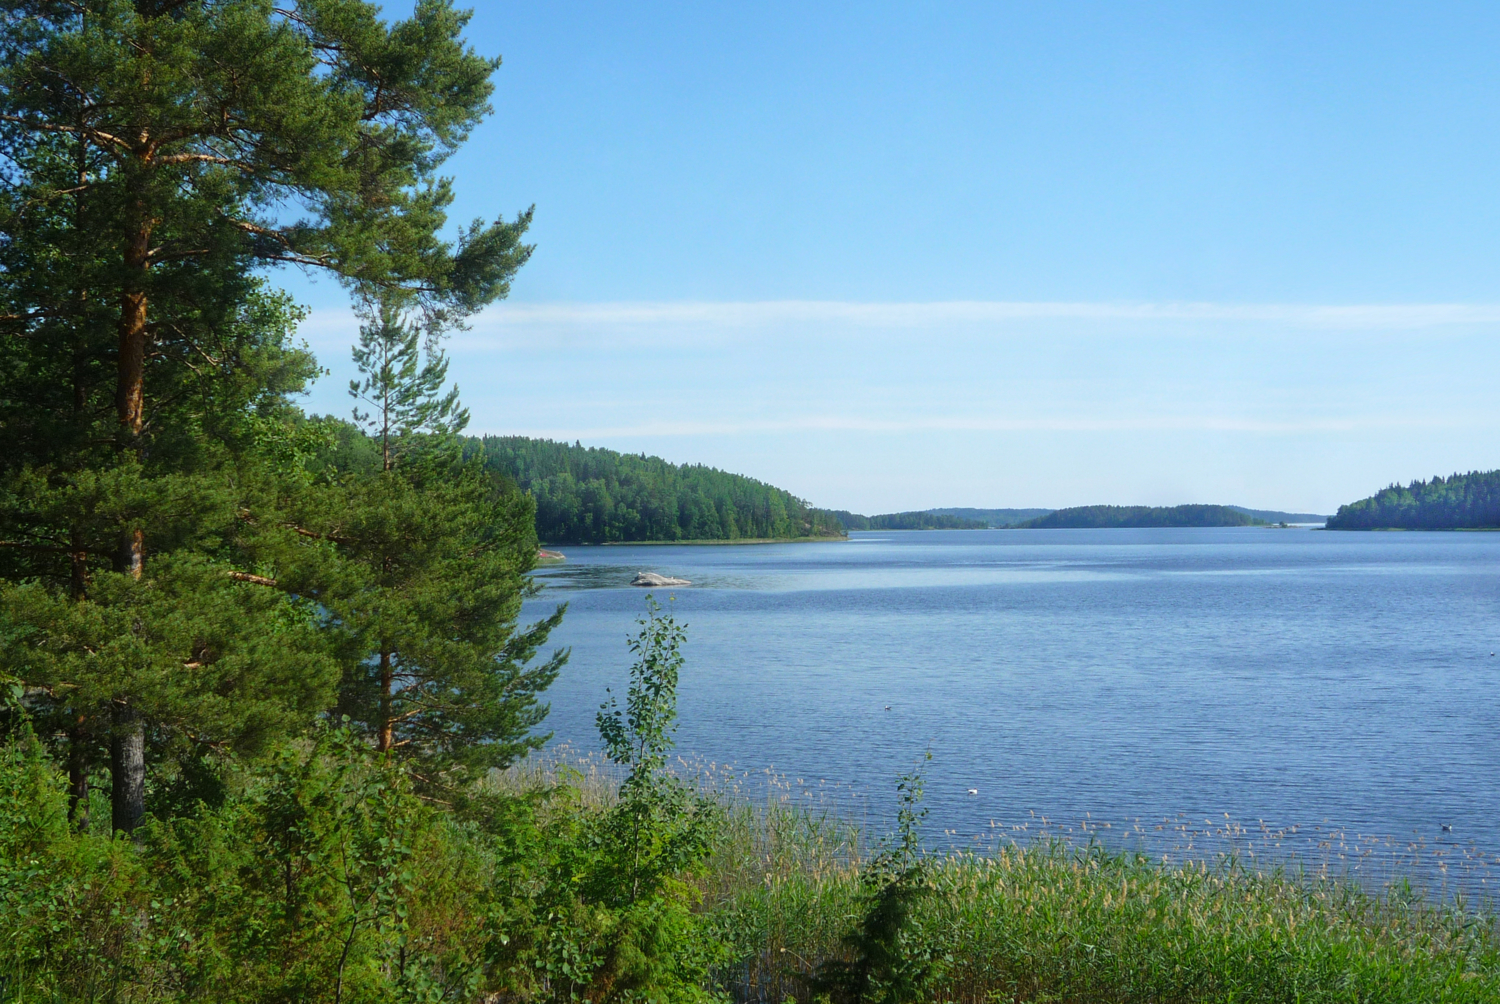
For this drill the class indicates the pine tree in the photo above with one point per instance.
(159, 153)
(433, 552)
(403, 391)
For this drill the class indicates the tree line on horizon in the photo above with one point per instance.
(922, 520)
(1459, 502)
(1102, 516)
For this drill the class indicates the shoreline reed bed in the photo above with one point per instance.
(1058, 914)
(1059, 923)
(1445, 870)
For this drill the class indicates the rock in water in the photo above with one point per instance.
(652, 579)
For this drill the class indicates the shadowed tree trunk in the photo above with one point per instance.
(130, 383)
(127, 736)
(127, 765)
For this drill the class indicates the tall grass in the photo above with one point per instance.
(1062, 921)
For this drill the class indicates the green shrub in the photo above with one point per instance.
(620, 918)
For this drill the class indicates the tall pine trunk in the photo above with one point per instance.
(130, 380)
(127, 744)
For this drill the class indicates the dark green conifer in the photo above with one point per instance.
(158, 155)
(432, 553)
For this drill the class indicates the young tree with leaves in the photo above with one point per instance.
(621, 921)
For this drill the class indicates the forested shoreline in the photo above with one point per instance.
(1458, 502)
(591, 495)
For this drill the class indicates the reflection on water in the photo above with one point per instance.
(1337, 686)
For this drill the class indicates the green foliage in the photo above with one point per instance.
(590, 496)
(657, 828)
(322, 878)
(1094, 516)
(1460, 502)
(156, 156)
(1280, 516)
(216, 435)
(1060, 923)
(211, 661)
(426, 558)
(424, 586)
(203, 122)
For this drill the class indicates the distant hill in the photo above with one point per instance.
(588, 495)
(1141, 515)
(1277, 516)
(1461, 502)
(994, 517)
(927, 520)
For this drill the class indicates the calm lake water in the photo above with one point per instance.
(1327, 693)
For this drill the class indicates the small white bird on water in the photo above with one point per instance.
(973, 791)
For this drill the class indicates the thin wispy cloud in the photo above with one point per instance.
(960, 423)
(738, 314)
(506, 323)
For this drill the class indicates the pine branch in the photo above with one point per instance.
(256, 580)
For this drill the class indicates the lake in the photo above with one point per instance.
(1275, 690)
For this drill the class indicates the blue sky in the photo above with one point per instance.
(895, 256)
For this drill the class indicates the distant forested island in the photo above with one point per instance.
(1001, 518)
(994, 517)
(589, 495)
(1142, 515)
(929, 519)
(1460, 502)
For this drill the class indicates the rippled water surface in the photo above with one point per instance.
(1332, 682)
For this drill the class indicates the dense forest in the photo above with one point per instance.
(589, 495)
(1459, 502)
(926, 520)
(1141, 515)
